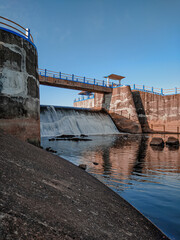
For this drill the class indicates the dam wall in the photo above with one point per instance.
(158, 113)
(19, 87)
(135, 111)
(120, 106)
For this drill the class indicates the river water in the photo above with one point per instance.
(148, 178)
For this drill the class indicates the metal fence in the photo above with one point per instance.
(84, 98)
(103, 83)
(17, 28)
(74, 78)
(159, 91)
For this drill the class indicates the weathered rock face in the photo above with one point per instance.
(19, 88)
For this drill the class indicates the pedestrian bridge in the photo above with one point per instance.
(71, 81)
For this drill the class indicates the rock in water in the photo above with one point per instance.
(52, 139)
(49, 149)
(83, 135)
(65, 136)
(172, 141)
(83, 166)
(157, 142)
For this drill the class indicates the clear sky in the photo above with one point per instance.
(139, 39)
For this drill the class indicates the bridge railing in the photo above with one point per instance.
(72, 77)
(103, 83)
(83, 98)
(159, 91)
(11, 25)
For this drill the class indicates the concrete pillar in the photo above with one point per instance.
(19, 88)
(107, 81)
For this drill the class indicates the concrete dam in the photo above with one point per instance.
(44, 195)
(138, 111)
(132, 110)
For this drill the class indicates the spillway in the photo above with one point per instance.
(55, 121)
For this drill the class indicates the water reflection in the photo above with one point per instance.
(148, 177)
(140, 157)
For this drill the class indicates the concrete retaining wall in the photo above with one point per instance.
(19, 88)
(136, 110)
(158, 113)
(120, 106)
(89, 103)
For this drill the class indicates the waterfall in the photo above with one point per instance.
(55, 121)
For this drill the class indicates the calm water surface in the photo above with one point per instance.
(148, 178)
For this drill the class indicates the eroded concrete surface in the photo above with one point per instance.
(19, 88)
(46, 197)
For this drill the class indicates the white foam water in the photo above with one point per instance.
(73, 121)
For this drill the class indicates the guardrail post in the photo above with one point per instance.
(134, 86)
(72, 77)
(161, 91)
(28, 33)
(175, 90)
(45, 71)
(94, 81)
(84, 79)
(59, 74)
(152, 89)
(143, 88)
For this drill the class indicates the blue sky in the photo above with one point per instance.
(139, 39)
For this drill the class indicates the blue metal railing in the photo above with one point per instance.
(15, 28)
(159, 91)
(74, 78)
(112, 84)
(83, 98)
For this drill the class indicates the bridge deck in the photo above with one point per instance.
(73, 82)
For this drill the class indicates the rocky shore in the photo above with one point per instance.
(46, 197)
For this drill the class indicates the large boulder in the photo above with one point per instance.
(172, 141)
(157, 142)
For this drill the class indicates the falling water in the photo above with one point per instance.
(73, 121)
